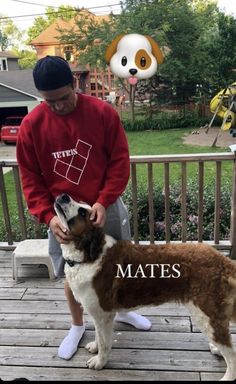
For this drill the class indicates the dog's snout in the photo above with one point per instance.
(64, 198)
(133, 71)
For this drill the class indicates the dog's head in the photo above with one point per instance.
(75, 216)
(133, 57)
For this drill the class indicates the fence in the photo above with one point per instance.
(182, 161)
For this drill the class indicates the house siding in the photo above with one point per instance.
(9, 95)
(12, 64)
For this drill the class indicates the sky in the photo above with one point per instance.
(13, 8)
(19, 7)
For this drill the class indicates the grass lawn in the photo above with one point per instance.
(164, 143)
(170, 142)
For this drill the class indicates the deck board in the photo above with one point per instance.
(34, 318)
(78, 374)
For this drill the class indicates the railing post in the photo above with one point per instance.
(217, 203)
(150, 203)
(6, 213)
(233, 213)
(134, 201)
(183, 202)
(20, 203)
(167, 200)
(200, 199)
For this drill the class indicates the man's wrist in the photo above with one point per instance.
(48, 217)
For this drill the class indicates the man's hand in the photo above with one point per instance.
(59, 231)
(98, 215)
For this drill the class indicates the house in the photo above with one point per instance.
(8, 61)
(18, 95)
(91, 81)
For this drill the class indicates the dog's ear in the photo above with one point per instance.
(156, 50)
(96, 245)
(112, 47)
(91, 244)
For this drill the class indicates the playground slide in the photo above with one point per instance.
(223, 105)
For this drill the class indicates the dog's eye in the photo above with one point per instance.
(82, 212)
(142, 59)
(124, 61)
(143, 62)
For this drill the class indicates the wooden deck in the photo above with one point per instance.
(34, 318)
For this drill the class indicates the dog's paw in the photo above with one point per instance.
(92, 347)
(214, 350)
(95, 363)
(229, 377)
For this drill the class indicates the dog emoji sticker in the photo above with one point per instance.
(133, 57)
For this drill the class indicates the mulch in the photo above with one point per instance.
(214, 137)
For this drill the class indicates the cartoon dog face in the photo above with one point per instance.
(133, 57)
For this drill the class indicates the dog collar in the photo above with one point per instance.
(72, 263)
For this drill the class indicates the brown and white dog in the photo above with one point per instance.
(106, 276)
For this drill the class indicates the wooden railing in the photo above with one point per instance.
(184, 161)
(166, 160)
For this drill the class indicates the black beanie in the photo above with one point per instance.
(52, 72)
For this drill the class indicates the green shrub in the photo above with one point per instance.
(163, 121)
(16, 229)
(175, 212)
(159, 214)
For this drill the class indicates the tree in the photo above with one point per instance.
(65, 12)
(197, 40)
(10, 35)
(222, 50)
(27, 58)
(40, 24)
(4, 42)
(90, 37)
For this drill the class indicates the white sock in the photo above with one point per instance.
(69, 344)
(132, 318)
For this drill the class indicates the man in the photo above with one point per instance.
(74, 143)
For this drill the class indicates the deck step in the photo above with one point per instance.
(34, 251)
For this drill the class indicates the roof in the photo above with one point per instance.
(51, 34)
(8, 54)
(21, 81)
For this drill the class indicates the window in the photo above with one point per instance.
(14, 120)
(3, 64)
(68, 53)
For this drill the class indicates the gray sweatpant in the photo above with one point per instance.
(117, 225)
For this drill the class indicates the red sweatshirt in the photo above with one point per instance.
(84, 153)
